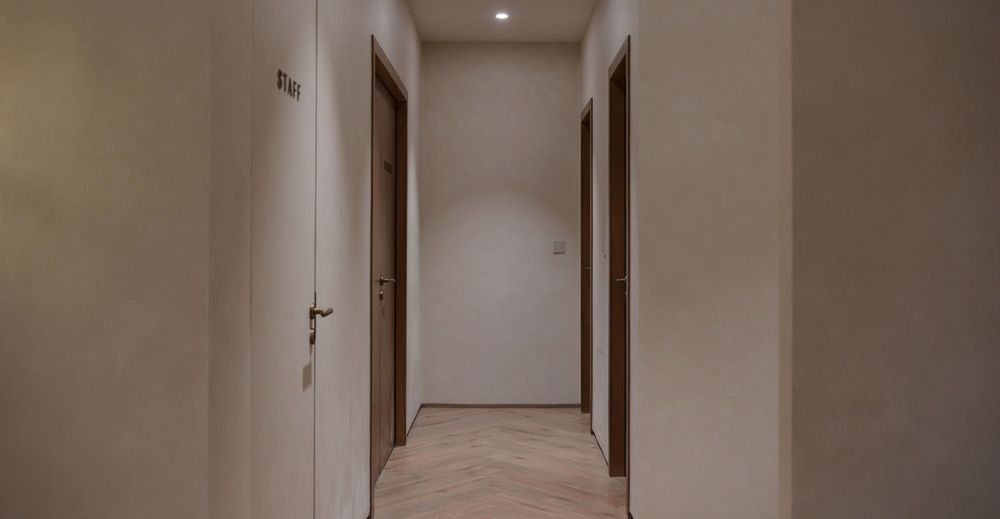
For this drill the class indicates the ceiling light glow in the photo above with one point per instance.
(502, 15)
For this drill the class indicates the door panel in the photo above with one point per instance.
(282, 279)
(383, 266)
(618, 193)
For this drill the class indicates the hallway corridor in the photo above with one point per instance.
(499, 463)
(745, 254)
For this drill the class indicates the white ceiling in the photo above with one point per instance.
(530, 20)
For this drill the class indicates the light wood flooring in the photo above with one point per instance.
(499, 463)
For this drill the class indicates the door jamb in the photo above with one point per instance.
(382, 70)
(587, 260)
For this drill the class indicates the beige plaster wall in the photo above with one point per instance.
(229, 292)
(710, 207)
(499, 184)
(343, 245)
(897, 259)
(343, 277)
(104, 176)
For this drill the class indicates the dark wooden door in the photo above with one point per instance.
(618, 191)
(586, 258)
(383, 276)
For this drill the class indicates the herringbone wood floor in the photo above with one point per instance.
(499, 464)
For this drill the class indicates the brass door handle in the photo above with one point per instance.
(314, 312)
(383, 280)
(318, 311)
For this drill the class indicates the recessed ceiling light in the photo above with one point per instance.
(502, 15)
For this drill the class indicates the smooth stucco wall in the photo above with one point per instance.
(229, 269)
(104, 172)
(343, 245)
(711, 212)
(897, 259)
(612, 22)
(344, 237)
(499, 183)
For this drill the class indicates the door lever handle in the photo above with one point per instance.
(383, 280)
(314, 312)
(621, 280)
(319, 311)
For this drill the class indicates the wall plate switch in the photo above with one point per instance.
(559, 247)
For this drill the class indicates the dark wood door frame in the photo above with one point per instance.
(586, 258)
(383, 71)
(618, 190)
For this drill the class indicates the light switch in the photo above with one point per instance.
(559, 247)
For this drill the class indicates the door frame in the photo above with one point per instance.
(619, 360)
(587, 258)
(382, 70)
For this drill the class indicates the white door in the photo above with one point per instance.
(283, 259)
